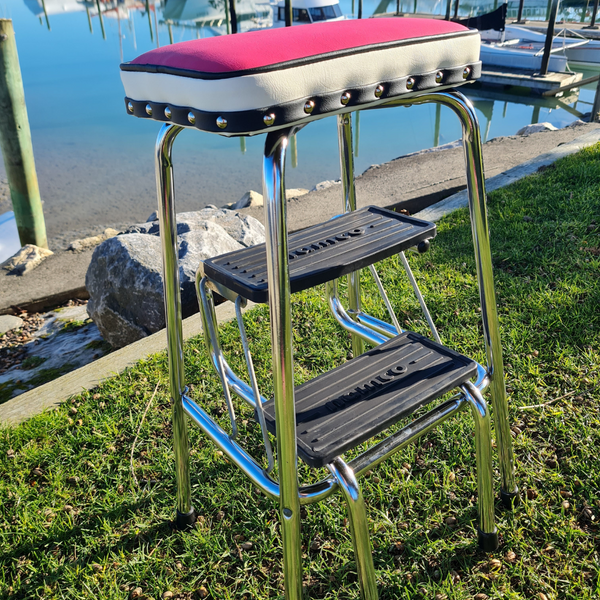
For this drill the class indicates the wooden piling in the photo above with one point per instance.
(595, 117)
(15, 142)
(233, 16)
(101, 19)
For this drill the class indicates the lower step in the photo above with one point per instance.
(339, 410)
(323, 252)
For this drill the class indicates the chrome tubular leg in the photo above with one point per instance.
(168, 233)
(283, 373)
(488, 535)
(349, 190)
(359, 526)
(483, 259)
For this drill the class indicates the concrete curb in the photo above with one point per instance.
(460, 200)
(52, 394)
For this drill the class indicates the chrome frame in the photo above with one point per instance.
(344, 123)
(344, 476)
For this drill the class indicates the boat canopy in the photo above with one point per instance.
(492, 20)
(311, 11)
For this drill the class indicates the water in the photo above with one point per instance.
(96, 164)
(9, 236)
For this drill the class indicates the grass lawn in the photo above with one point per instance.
(82, 516)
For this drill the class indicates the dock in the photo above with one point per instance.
(537, 84)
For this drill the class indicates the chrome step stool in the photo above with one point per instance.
(276, 81)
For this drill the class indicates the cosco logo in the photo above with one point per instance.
(330, 241)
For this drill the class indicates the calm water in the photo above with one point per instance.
(95, 163)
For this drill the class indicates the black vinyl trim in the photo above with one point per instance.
(251, 121)
(308, 60)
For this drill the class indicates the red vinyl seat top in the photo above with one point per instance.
(252, 82)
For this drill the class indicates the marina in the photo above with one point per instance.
(93, 163)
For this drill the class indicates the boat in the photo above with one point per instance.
(520, 55)
(577, 48)
(516, 48)
(308, 11)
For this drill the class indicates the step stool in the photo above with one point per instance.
(275, 82)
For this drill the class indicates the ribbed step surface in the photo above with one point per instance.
(323, 252)
(350, 404)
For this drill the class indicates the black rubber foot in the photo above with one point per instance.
(488, 542)
(509, 499)
(185, 521)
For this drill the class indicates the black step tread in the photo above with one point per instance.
(341, 245)
(330, 421)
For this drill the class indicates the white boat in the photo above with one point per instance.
(520, 55)
(577, 48)
(308, 11)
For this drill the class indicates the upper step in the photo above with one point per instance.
(323, 252)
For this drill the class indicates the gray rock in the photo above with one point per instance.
(295, 193)
(529, 129)
(124, 278)
(9, 322)
(126, 291)
(204, 242)
(323, 185)
(250, 199)
(88, 243)
(242, 228)
(253, 199)
(26, 259)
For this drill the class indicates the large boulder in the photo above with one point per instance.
(124, 278)
(245, 230)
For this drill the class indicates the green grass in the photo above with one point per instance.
(77, 520)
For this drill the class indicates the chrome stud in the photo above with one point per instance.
(309, 107)
(439, 77)
(130, 107)
(378, 91)
(345, 98)
(410, 83)
(269, 119)
(192, 118)
(466, 72)
(148, 110)
(168, 113)
(221, 122)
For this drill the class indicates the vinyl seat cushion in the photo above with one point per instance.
(252, 82)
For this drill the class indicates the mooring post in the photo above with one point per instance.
(15, 142)
(233, 16)
(592, 24)
(448, 10)
(549, 38)
(99, 8)
(520, 14)
(289, 13)
(595, 118)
